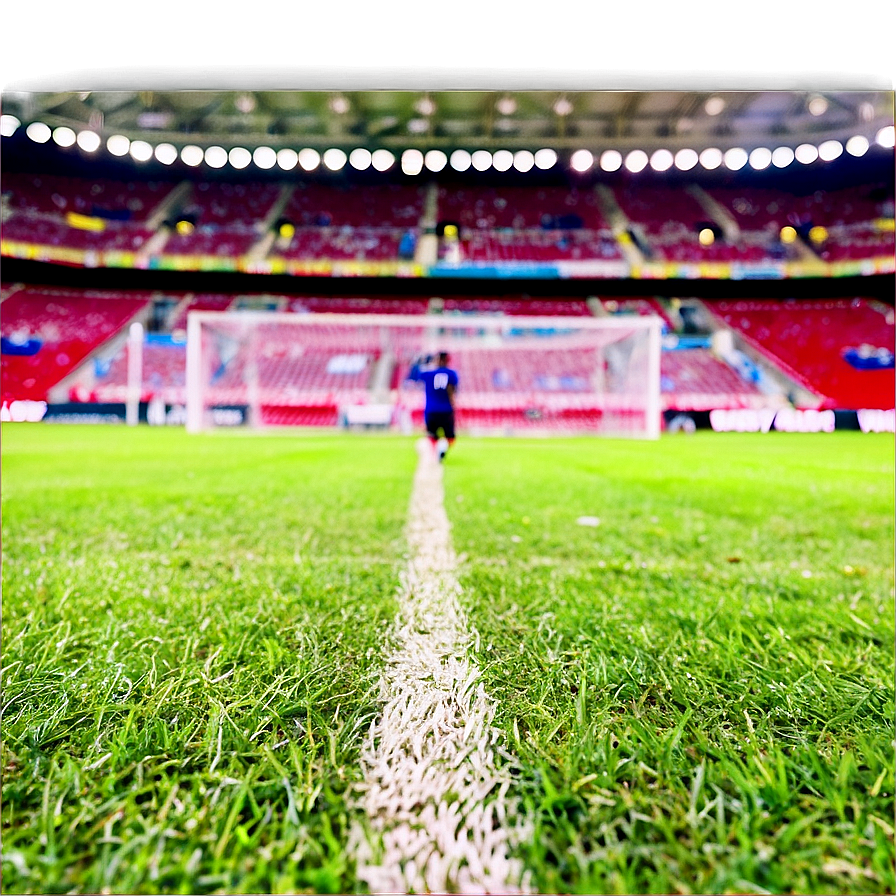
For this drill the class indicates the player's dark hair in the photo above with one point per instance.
(443, 357)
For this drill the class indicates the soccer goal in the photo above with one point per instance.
(517, 375)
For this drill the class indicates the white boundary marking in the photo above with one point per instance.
(437, 807)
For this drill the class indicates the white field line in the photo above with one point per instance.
(438, 815)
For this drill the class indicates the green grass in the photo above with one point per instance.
(191, 645)
(699, 691)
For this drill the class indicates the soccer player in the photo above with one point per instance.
(440, 382)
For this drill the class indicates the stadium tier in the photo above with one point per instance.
(842, 350)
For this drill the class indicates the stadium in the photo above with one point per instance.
(634, 633)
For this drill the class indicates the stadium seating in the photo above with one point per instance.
(813, 341)
(376, 206)
(343, 243)
(693, 379)
(512, 305)
(65, 327)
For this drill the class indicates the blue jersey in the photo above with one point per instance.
(436, 382)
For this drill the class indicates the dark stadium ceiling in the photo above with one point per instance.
(487, 119)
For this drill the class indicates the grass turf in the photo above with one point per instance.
(191, 646)
(699, 689)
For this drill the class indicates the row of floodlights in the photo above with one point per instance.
(413, 161)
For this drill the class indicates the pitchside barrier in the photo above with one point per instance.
(517, 374)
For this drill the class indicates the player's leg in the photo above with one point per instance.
(448, 435)
(432, 430)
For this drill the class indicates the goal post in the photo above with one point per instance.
(518, 374)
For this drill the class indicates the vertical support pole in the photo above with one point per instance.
(135, 373)
(195, 411)
(654, 349)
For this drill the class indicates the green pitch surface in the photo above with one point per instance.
(698, 690)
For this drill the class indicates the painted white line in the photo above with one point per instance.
(436, 801)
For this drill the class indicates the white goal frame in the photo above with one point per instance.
(430, 325)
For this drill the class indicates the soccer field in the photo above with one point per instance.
(688, 645)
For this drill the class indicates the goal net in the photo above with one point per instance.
(516, 374)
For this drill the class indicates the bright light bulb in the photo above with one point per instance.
(502, 160)
(735, 158)
(857, 146)
(830, 150)
(166, 153)
(264, 157)
(435, 160)
(239, 157)
(806, 153)
(287, 158)
(685, 159)
(523, 160)
(661, 160)
(886, 137)
(334, 159)
(636, 161)
(382, 159)
(141, 151)
(191, 155)
(481, 159)
(360, 158)
(8, 125)
(706, 237)
(545, 159)
(714, 105)
(216, 157)
(611, 160)
(788, 234)
(760, 158)
(711, 158)
(461, 160)
(412, 161)
(581, 160)
(782, 157)
(818, 105)
(89, 141)
(309, 159)
(64, 136)
(39, 132)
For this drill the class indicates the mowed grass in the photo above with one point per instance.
(699, 690)
(192, 633)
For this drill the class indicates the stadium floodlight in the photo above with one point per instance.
(382, 159)
(166, 153)
(38, 132)
(605, 372)
(714, 105)
(706, 237)
(685, 159)
(8, 125)
(412, 161)
(782, 157)
(735, 158)
(611, 160)
(64, 136)
(562, 106)
(89, 141)
(886, 137)
(191, 155)
(711, 158)
(788, 234)
(857, 146)
(636, 161)
(287, 159)
(581, 160)
(481, 159)
(425, 105)
(216, 157)
(118, 145)
(360, 158)
(760, 158)
(239, 157)
(806, 153)
(141, 151)
(334, 159)
(502, 160)
(523, 160)
(818, 105)
(830, 150)
(506, 105)
(661, 160)
(545, 159)
(308, 158)
(264, 157)
(435, 160)
(461, 160)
